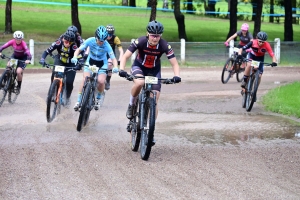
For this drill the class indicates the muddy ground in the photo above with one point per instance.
(207, 145)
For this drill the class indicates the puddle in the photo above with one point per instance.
(233, 129)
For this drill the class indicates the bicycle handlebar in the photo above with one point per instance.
(6, 57)
(264, 63)
(130, 77)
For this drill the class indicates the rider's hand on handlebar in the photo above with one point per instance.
(123, 73)
(226, 44)
(176, 79)
(74, 60)
(239, 58)
(42, 61)
(274, 64)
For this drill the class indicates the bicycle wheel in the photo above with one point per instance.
(239, 72)
(244, 94)
(147, 128)
(4, 84)
(13, 91)
(251, 96)
(83, 108)
(63, 94)
(89, 108)
(52, 104)
(226, 73)
(135, 128)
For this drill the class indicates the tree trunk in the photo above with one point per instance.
(153, 4)
(212, 7)
(8, 21)
(271, 18)
(233, 18)
(74, 14)
(180, 20)
(254, 9)
(294, 5)
(190, 8)
(257, 22)
(288, 25)
(124, 2)
(132, 3)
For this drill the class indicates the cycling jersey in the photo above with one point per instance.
(97, 52)
(257, 50)
(20, 50)
(244, 39)
(65, 54)
(149, 56)
(114, 41)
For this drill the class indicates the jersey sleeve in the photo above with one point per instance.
(269, 49)
(7, 44)
(169, 51)
(117, 41)
(110, 51)
(134, 45)
(27, 51)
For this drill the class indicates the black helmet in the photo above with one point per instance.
(69, 36)
(73, 29)
(262, 36)
(155, 27)
(110, 29)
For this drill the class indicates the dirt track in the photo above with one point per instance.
(208, 146)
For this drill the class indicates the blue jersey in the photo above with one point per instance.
(97, 52)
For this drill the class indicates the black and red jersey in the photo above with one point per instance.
(149, 56)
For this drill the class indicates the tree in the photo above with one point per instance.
(271, 18)
(257, 21)
(74, 14)
(190, 8)
(124, 2)
(254, 9)
(288, 26)
(132, 3)
(153, 4)
(232, 18)
(180, 20)
(8, 21)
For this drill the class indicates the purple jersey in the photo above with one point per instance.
(149, 56)
(20, 50)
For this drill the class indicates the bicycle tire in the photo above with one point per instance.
(83, 108)
(244, 98)
(4, 84)
(90, 106)
(226, 76)
(13, 92)
(135, 128)
(147, 127)
(252, 94)
(239, 74)
(52, 105)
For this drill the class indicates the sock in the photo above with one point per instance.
(108, 78)
(132, 100)
(19, 83)
(99, 94)
(245, 78)
(79, 97)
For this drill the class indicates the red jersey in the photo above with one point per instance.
(257, 50)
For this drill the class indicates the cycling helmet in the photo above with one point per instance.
(262, 36)
(18, 35)
(110, 29)
(73, 29)
(245, 27)
(69, 36)
(101, 33)
(155, 27)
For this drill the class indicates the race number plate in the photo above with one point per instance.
(255, 64)
(236, 50)
(59, 68)
(94, 68)
(151, 79)
(13, 62)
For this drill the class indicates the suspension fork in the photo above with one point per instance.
(57, 99)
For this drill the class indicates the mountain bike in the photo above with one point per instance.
(142, 125)
(231, 67)
(250, 90)
(57, 94)
(88, 98)
(9, 81)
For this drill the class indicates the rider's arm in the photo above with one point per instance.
(124, 58)
(77, 52)
(247, 46)
(119, 46)
(231, 37)
(7, 44)
(175, 66)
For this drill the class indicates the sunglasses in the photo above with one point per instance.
(260, 41)
(155, 36)
(99, 40)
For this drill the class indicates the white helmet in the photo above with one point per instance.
(18, 35)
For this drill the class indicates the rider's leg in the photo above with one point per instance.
(108, 77)
(19, 76)
(86, 73)
(70, 77)
(100, 84)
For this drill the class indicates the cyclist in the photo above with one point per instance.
(78, 38)
(150, 48)
(114, 41)
(65, 48)
(259, 47)
(98, 48)
(21, 52)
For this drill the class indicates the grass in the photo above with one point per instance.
(284, 100)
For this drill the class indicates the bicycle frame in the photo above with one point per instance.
(59, 75)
